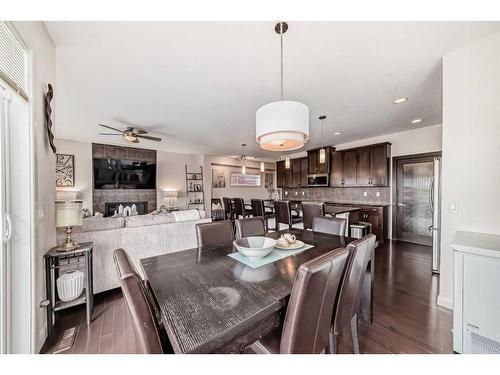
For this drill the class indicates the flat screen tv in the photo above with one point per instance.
(124, 174)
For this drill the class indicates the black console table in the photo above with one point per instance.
(53, 261)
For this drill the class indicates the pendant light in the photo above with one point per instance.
(282, 125)
(262, 167)
(287, 162)
(322, 151)
(243, 157)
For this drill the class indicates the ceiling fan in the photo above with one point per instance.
(131, 134)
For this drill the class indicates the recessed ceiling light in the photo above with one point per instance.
(416, 121)
(337, 133)
(400, 100)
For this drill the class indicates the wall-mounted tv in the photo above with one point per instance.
(124, 174)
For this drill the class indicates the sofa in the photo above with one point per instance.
(141, 236)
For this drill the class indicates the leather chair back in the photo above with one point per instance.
(330, 225)
(239, 207)
(347, 304)
(258, 207)
(228, 208)
(251, 226)
(216, 233)
(311, 210)
(124, 266)
(308, 315)
(283, 212)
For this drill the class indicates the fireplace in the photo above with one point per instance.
(111, 207)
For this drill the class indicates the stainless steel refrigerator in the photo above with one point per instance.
(435, 203)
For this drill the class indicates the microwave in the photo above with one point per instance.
(318, 180)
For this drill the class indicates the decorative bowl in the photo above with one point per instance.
(70, 285)
(255, 247)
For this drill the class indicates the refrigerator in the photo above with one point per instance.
(435, 204)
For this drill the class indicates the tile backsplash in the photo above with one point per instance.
(340, 195)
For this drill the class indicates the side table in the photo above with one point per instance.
(53, 261)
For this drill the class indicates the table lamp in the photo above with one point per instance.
(68, 215)
(171, 195)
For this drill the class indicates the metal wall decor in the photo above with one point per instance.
(65, 170)
(48, 119)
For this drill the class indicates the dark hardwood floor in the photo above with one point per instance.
(406, 316)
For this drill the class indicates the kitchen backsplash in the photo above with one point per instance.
(340, 195)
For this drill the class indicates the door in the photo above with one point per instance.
(364, 171)
(4, 224)
(414, 177)
(349, 167)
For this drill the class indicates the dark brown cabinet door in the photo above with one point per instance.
(374, 216)
(303, 171)
(380, 165)
(313, 161)
(364, 172)
(280, 174)
(296, 172)
(349, 167)
(336, 169)
(288, 176)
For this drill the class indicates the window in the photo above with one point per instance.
(13, 62)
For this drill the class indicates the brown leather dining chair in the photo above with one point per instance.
(308, 315)
(348, 301)
(284, 214)
(311, 210)
(228, 208)
(330, 225)
(137, 300)
(240, 210)
(259, 209)
(216, 233)
(251, 226)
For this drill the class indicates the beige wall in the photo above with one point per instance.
(471, 148)
(43, 72)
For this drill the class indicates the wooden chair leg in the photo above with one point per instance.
(354, 334)
(332, 343)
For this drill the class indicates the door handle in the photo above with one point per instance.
(8, 229)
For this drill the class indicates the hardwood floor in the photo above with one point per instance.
(406, 317)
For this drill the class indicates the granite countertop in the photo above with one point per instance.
(334, 209)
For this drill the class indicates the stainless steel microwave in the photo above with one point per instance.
(318, 180)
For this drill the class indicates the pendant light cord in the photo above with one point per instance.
(281, 41)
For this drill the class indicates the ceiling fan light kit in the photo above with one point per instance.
(130, 134)
(282, 125)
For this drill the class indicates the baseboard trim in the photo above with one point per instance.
(445, 302)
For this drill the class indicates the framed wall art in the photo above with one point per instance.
(65, 170)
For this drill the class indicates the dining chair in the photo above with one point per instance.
(250, 226)
(240, 209)
(228, 208)
(330, 225)
(347, 304)
(311, 210)
(309, 309)
(138, 302)
(284, 214)
(215, 233)
(259, 209)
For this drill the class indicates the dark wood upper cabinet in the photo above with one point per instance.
(364, 168)
(296, 165)
(349, 167)
(280, 174)
(314, 166)
(336, 169)
(381, 155)
(303, 171)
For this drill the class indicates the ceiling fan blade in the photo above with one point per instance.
(139, 131)
(109, 127)
(149, 137)
(109, 134)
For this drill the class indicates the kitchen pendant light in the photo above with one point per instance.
(287, 163)
(322, 151)
(282, 125)
(243, 157)
(262, 167)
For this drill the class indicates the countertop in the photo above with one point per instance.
(344, 204)
(334, 209)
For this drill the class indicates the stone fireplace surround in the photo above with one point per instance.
(103, 196)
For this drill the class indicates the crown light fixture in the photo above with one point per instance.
(282, 125)
(322, 151)
(400, 100)
(416, 121)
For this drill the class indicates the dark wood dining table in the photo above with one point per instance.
(211, 303)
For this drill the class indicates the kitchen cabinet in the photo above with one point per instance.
(295, 165)
(364, 167)
(303, 171)
(378, 217)
(336, 169)
(295, 176)
(349, 167)
(280, 174)
(380, 158)
(314, 166)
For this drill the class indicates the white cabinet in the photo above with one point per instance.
(476, 315)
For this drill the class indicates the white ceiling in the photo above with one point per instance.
(198, 84)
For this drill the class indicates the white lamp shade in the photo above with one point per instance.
(322, 156)
(262, 167)
(282, 126)
(68, 213)
(171, 193)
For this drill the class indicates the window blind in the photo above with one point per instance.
(13, 62)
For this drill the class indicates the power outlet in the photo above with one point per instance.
(453, 208)
(365, 193)
(377, 194)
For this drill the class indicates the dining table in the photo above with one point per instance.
(212, 303)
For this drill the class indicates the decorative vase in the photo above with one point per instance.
(70, 285)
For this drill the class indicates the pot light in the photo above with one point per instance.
(337, 133)
(400, 100)
(416, 121)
